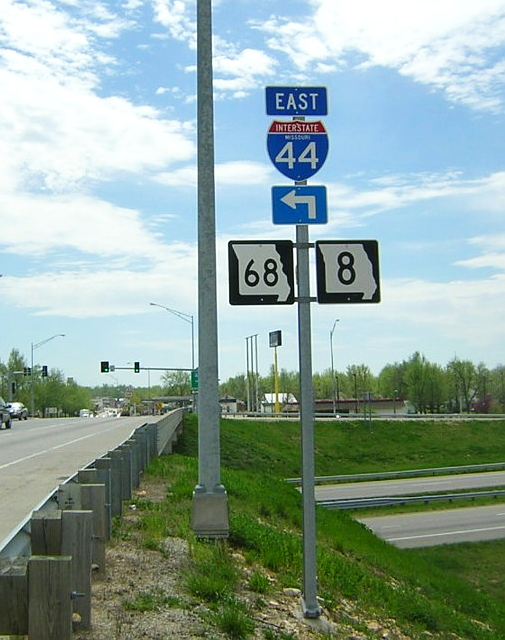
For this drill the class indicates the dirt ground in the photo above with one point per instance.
(133, 570)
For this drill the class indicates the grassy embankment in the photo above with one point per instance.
(441, 591)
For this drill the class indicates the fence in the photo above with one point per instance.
(47, 562)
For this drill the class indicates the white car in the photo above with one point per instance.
(18, 410)
(85, 413)
(5, 416)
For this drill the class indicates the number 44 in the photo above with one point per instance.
(308, 155)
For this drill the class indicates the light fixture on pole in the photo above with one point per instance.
(332, 368)
(33, 347)
(187, 317)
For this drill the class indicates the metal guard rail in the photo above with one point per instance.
(408, 473)
(388, 501)
(17, 543)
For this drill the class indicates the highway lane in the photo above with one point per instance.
(412, 486)
(37, 455)
(426, 529)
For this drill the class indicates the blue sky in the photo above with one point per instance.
(98, 178)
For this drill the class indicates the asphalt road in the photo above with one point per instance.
(37, 455)
(410, 486)
(432, 528)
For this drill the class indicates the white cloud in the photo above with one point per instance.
(236, 173)
(394, 192)
(116, 292)
(441, 305)
(41, 224)
(447, 44)
(177, 16)
(55, 130)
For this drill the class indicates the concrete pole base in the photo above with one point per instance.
(209, 518)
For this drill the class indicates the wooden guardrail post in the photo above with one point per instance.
(152, 430)
(135, 462)
(93, 499)
(13, 597)
(76, 535)
(46, 533)
(116, 482)
(104, 476)
(49, 598)
(126, 471)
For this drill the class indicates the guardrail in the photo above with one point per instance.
(388, 501)
(46, 563)
(407, 473)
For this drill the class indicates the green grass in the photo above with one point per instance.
(480, 564)
(351, 447)
(151, 601)
(233, 619)
(427, 590)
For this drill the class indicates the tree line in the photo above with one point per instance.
(459, 386)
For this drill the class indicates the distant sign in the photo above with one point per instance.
(296, 101)
(298, 149)
(275, 338)
(194, 380)
(299, 205)
(347, 271)
(261, 272)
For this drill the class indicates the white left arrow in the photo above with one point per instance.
(292, 200)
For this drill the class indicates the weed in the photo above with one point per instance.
(151, 601)
(212, 575)
(259, 582)
(232, 618)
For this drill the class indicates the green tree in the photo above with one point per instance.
(177, 383)
(416, 379)
(235, 387)
(465, 382)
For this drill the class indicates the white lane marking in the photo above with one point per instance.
(445, 533)
(59, 446)
(500, 514)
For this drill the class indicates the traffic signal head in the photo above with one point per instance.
(136, 367)
(104, 366)
(44, 371)
(27, 371)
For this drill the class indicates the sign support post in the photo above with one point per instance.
(210, 501)
(310, 603)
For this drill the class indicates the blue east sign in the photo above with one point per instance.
(298, 149)
(296, 101)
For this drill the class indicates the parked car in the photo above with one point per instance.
(5, 416)
(18, 410)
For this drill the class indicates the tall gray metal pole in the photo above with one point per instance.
(311, 606)
(247, 379)
(332, 367)
(256, 374)
(210, 501)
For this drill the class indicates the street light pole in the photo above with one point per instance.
(210, 517)
(187, 317)
(33, 347)
(332, 369)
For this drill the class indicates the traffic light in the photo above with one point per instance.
(27, 371)
(44, 370)
(13, 388)
(136, 367)
(104, 366)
